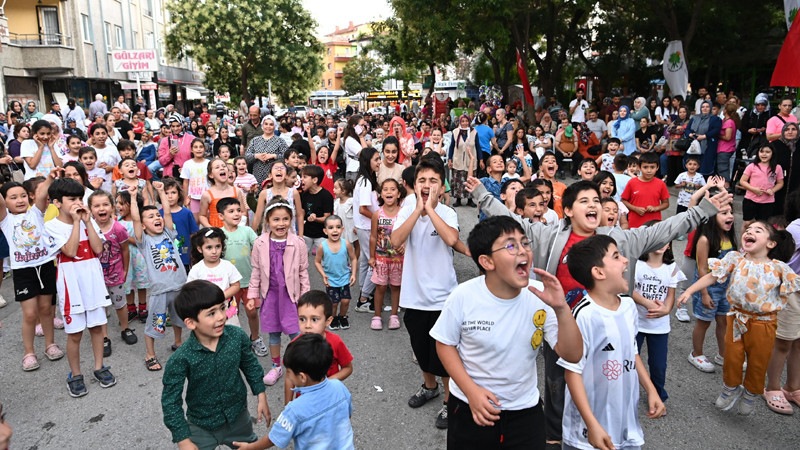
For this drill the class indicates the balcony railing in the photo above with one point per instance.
(40, 40)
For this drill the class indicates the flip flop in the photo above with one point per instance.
(175, 347)
(777, 402)
(152, 363)
(793, 396)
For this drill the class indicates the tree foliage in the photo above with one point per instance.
(243, 44)
(361, 74)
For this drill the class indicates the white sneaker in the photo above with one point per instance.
(719, 360)
(682, 315)
(728, 398)
(3, 302)
(701, 363)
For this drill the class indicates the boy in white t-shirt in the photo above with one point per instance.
(689, 182)
(489, 334)
(429, 231)
(82, 293)
(600, 409)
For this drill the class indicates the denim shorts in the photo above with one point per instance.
(719, 294)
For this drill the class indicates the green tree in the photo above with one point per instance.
(361, 75)
(243, 44)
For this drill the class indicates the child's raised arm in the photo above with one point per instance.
(162, 198)
(447, 233)
(41, 197)
(136, 214)
(704, 282)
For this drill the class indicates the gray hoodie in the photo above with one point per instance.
(547, 242)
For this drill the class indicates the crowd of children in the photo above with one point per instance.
(584, 273)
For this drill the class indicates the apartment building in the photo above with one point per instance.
(51, 50)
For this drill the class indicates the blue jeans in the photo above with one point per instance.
(663, 159)
(154, 167)
(657, 345)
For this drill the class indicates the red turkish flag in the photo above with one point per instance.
(523, 77)
(787, 69)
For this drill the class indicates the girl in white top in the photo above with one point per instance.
(353, 144)
(195, 177)
(664, 112)
(365, 203)
(107, 155)
(208, 246)
(657, 276)
(343, 207)
(280, 188)
(36, 153)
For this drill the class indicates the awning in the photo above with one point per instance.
(193, 94)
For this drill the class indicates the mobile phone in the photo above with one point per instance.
(359, 129)
(173, 142)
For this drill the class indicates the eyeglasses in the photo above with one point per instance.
(514, 247)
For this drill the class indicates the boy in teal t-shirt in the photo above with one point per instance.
(238, 245)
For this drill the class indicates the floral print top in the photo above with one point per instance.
(757, 290)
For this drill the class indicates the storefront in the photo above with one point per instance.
(326, 99)
(381, 98)
(180, 87)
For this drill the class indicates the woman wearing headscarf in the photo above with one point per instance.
(549, 125)
(176, 149)
(784, 148)
(754, 125)
(263, 150)
(463, 147)
(705, 128)
(674, 156)
(31, 113)
(586, 140)
(640, 109)
(624, 129)
(397, 127)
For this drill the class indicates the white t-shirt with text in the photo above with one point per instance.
(653, 283)
(497, 340)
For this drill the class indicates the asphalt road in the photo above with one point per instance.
(128, 415)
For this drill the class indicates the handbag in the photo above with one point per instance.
(17, 174)
(694, 148)
(683, 144)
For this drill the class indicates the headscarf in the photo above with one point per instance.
(619, 120)
(406, 141)
(793, 142)
(642, 102)
(56, 120)
(462, 131)
(269, 117)
(584, 133)
(763, 100)
(27, 115)
(700, 126)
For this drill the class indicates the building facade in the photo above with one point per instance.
(56, 49)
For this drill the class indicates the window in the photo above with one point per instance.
(119, 41)
(329, 51)
(109, 41)
(323, 84)
(149, 40)
(329, 66)
(87, 28)
(148, 8)
(135, 42)
(330, 83)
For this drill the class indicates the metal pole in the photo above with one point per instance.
(138, 85)
(269, 85)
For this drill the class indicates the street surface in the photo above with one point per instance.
(128, 415)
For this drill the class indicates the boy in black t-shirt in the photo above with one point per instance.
(317, 204)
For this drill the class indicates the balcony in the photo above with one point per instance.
(40, 40)
(342, 58)
(338, 74)
(42, 52)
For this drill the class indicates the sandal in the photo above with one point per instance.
(53, 352)
(793, 396)
(30, 362)
(152, 363)
(394, 322)
(175, 347)
(777, 402)
(377, 323)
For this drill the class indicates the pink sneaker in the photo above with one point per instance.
(38, 330)
(272, 376)
(394, 322)
(58, 324)
(377, 323)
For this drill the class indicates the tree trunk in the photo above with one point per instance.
(245, 94)
(432, 68)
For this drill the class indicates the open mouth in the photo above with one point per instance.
(747, 239)
(591, 216)
(551, 170)
(536, 218)
(522, 269)
(728, 224)
(102, 216)
(611, 220)
(606, 192)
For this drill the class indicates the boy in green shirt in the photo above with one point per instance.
(210, 359)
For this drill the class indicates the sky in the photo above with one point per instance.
(330, 14)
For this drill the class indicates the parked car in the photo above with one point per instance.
(377, 110)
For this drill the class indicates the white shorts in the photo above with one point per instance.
(76, 323)
(117, 294)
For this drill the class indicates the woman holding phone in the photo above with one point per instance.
(176, 150)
